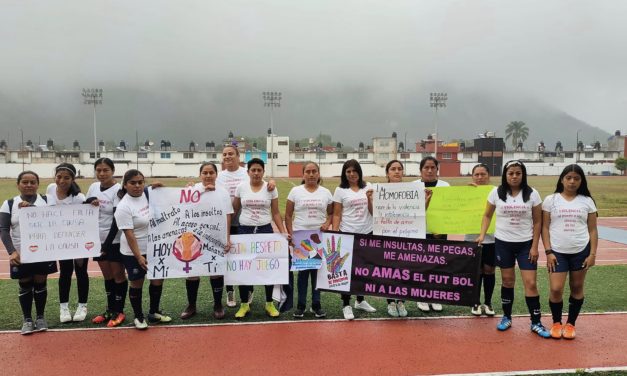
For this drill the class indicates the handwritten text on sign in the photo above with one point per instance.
(399, 210)
(60, 232)
(259, 259)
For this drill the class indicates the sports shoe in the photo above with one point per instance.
(476, 310)
(424, 307)
(365, 306)
(230, 299)
(299, 313)
(140, 324)
(188, 312)
(271, 310)
(251, 297)
(243, 310)
(402, 311)
(392, 311)
(569, 331)
(436, 307)
(487, 310)
(27, 327)
(556, 330)
(64, 314)
(540, 330)
(117, 321)
(319, 313)
(348, 312)
(158, 317)
(41, 325)
(102, 318)
(505, 323)
(218, 312)
(81, 313)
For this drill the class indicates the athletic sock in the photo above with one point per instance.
(41, 296)
(556, 310)
(229, 288)
(507, 300)
(191, 286)
(26, 299)
(109, 285)
(574, 306)
(135, 297)
(488, 288)
(269, 289)
(479, 287)
(155, 297)
(120, 296)
(217, 284)
(533, 305)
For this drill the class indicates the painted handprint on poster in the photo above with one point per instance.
(307, 250)
(337, 257)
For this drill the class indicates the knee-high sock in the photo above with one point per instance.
(155, 297)
(574, 306)
(135, 296)
(488, 288)
(533, 305)
(507, 300)
(217, 285)
(556, 310)
(41, 296)
(191, 286)
(120, 295)
(26, 299)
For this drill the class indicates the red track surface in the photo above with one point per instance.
(390, 347)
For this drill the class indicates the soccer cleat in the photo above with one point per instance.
(556, 330)
(140, 324)
(119, 319)
(271, 310)
(348, 313)
(488, 310)
(540, 330)
(158, 317)
(364, 306)
(243, 310)
(436, 307)
(505, 324)
(402, 311)
(102, 318)
(476, 310)
(41, 325)
(299, 313)
(64, 314)
(319, 313)
(189, 312)
(81, 313)
(392, 311)
(569, 331)
(424, 307)
(230, 299)
(27, 327)
(218, 312)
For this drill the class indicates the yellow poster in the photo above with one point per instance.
(458, 210)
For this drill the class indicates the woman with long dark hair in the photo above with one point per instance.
(570, 238)
(517, 233)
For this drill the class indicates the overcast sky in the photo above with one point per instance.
(571, 54)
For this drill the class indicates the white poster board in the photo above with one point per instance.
(257, 259)
(60, 232)
(399, 210)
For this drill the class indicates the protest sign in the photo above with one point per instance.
(187, 233)
(458, 210)
(307, 250)
(399, 210)
(61, 232)
(257, 259)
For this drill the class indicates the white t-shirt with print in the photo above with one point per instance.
(310, 208)
(355, 215)
(108, 200)
(51, 193)
(15, 216)
(514, 219)
(569, 222)
(256, 206)
(133, 213)
(229, 180)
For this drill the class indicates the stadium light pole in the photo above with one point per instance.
(272, 99)
(93, 97)
(438, 100)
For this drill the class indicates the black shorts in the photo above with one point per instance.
(134, 271)
(508, 253)
(571, 262)
(112, 254)
(488, 255)
(32, 269)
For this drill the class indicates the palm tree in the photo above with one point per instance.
(517, 131)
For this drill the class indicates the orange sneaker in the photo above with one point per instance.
(119, 319)
(102, 318)
(556, 330)
(569, 331)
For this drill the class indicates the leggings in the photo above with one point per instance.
(66, 267)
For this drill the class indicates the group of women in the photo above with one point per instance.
(566, 222)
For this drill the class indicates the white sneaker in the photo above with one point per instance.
(364, 306)
(424, 307)
(81, 313)
(230, 299)
(402, 311)
(64, 314)
(392, 311)
(487, 310)
(436, 307)
(141, 325)
(348, 313)
(476, 310)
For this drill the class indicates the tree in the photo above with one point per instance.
(517, 131)
(621, 164)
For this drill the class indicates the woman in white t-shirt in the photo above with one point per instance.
(207, 185)
(352, 212)
(132, 217)
(65, 191)
(570, 238)
(517, 233)
(104, 194)
(309, 207)
(259, 208)
(32, 277)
